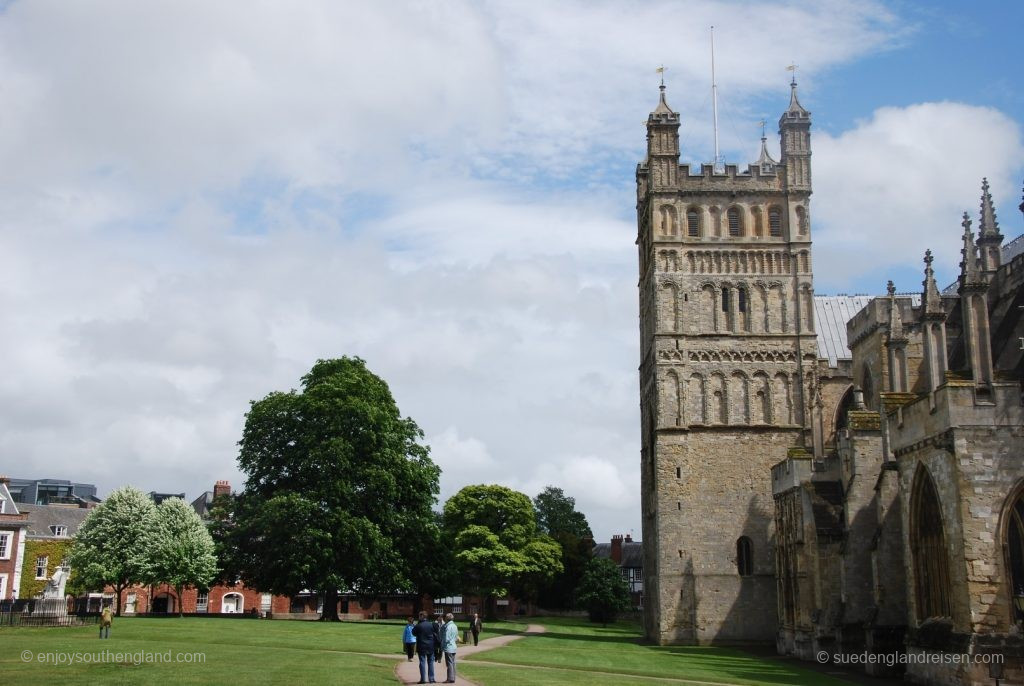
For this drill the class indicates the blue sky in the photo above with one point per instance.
(201, 199)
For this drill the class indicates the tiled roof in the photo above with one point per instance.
(42, 517)
(632, 553)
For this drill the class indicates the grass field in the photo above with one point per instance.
(573, 652)
(273, 652)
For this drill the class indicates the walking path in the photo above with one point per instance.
(409, 672)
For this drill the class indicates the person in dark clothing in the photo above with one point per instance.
(476, 626)
(438, 648)
(426, 644)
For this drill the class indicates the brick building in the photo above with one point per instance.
(12, 543)
(629, 556)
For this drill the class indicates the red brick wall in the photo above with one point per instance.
(9, 565)
(250, 598)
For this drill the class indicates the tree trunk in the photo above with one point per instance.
(417, 604)
(181, 605)
(330, 613)
(491, 603)
(117, 599)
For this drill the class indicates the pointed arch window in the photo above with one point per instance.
(744, 556)
(693, 223)
(1015, 552)
(928, 545)
(775, 222)
(735, 225)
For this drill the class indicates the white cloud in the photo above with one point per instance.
(200, 199)
(900, 182)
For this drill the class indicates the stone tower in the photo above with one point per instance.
(727, 374)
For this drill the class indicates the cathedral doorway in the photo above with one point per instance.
(928, 544)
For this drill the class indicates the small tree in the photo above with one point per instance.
(496, 542)
(603, 591)
(182, 553)
(113, 544)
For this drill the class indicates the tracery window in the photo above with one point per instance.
(928, 544)
(1015, 550)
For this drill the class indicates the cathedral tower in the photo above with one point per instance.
(727, 362)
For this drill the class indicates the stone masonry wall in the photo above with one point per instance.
(715, 486)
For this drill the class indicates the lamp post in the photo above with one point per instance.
(995, 669)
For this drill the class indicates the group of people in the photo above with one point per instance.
(432, 639)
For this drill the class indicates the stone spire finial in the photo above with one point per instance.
(795, 108)
(662, 107)
(988, 225)
(765, 159)
(895, 320)
(931, 299)
(969, 270)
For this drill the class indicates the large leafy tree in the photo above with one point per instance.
(182, 550)
(557, 516)
(496, 542)
(336, 484)
(112, 547)
(603, 591)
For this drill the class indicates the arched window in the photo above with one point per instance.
(735, 225)
(744, 556)
(928, 544)
(693, 223)
(801, 219)
(725, 300)
(775, 222)
(1015, 551)
(741, 299)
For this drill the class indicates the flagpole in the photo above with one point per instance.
(714, 101)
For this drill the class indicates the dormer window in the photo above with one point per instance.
(59, 530)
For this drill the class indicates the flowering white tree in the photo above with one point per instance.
(182, 553)
(112, 547)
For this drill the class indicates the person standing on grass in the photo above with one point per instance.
(106, 619)
(449, 641)
(408, 640)
(426, 643)
(476, 626)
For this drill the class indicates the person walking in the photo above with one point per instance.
(106, 619)
(408, 640)
(426, 643)
(475, 627)
(449, 641)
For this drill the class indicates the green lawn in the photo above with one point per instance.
(576, 652)
(271, 652)
(236, 651)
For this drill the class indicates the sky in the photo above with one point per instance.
(199, 200)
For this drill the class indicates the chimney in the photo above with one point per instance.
(617, 549)
(629, 538)
(221, 488)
